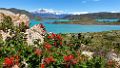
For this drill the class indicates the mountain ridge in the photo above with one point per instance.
(16, 11)
(95, 15)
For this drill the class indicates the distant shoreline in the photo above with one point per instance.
(89, 23)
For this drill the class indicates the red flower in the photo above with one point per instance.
(42, 66)
(49, 37)
(12, 58)
(53, 35)
(38, 52)
(55, 44)
(48, 46)
(49, 60)
(9, 61)
(71, 57)
(58, 37)
(68, 58)
(60, 42)
(74, 61)
(41, 25)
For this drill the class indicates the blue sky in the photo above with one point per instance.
(64, 5)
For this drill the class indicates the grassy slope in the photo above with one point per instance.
(97, 41)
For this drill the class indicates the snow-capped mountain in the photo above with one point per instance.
(49, 13)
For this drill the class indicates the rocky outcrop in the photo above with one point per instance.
(88, 54)
(17, 19)
(35, 34)
(113, 56)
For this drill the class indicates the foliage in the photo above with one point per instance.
(46, 55)
(6, 23)
(58, 50)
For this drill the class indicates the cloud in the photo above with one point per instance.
(115, 11)
(78, 13)
(43, 10)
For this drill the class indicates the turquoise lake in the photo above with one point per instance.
(73, 28)
(108, 20)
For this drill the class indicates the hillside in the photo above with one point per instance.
(14, 10)
(94, 15)
(91, 18)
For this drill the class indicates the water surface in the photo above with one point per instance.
(75, 28)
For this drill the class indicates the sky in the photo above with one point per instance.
(69, 6)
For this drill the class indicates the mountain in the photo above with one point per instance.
(49, 13)
(101, 15)
(101, 18)
(14, 10)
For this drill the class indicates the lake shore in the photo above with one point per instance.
(88, 23)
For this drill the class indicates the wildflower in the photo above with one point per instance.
(58, 37)
(53, 35)
(9, 61)
(41, 25)
(55, 44)
(68, 58)
(38, 52)
(42, 66)
(60, 42)
(49, 60)
(49, 37)
(12, 58)
(74, 61)
(47, 46)
(71, 57)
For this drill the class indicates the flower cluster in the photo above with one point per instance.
(42, 65)
(43, 27)
(10, 61)
(48, 46)
(56, 39)
(38, 52)
(49, 60)
(70, 58)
